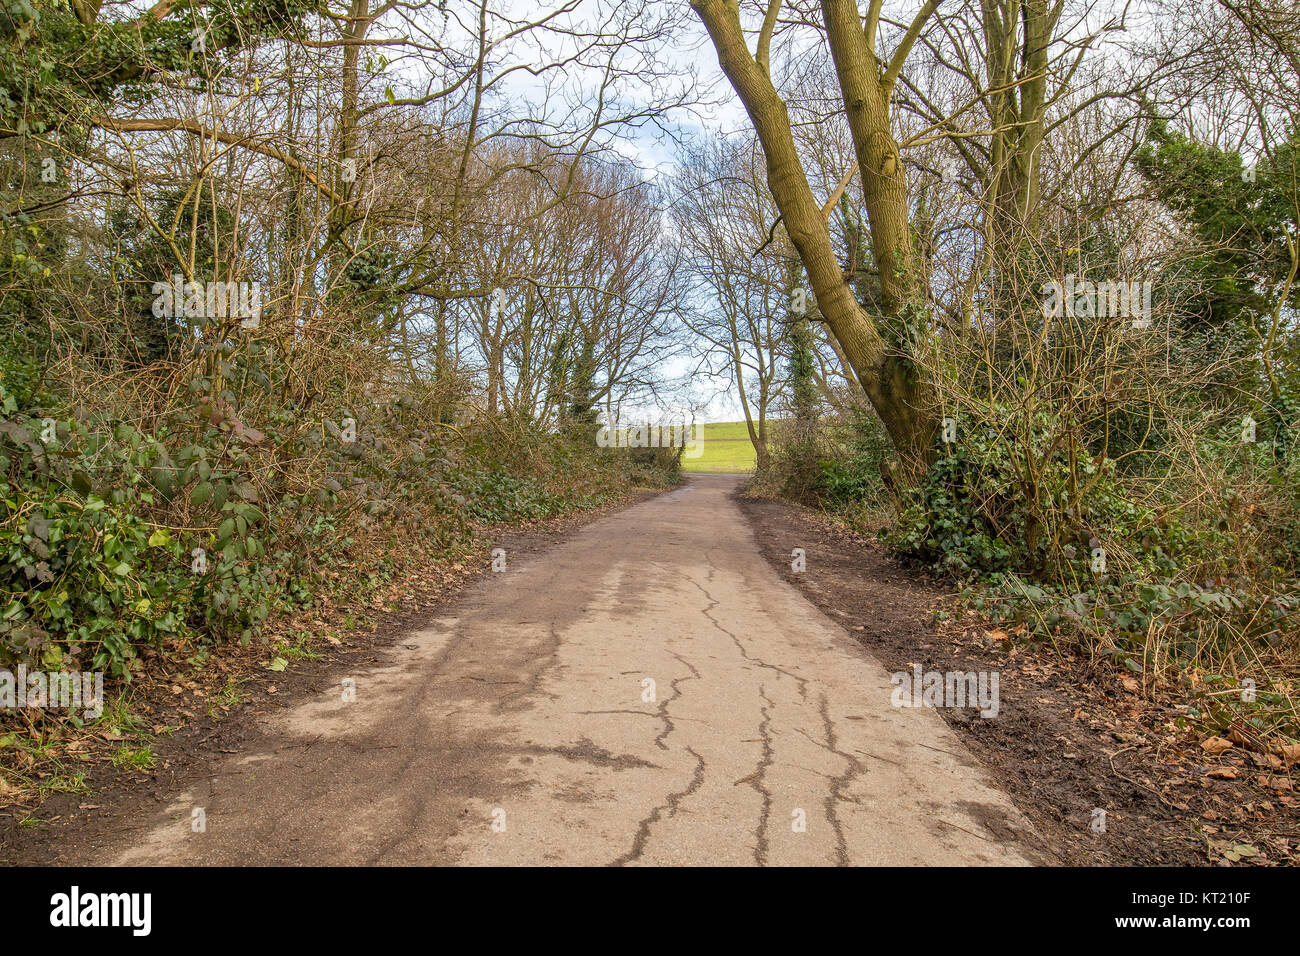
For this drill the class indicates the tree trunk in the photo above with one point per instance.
(896, 387)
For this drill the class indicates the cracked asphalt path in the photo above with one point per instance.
(521, 728)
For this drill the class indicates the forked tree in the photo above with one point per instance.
(1015, 76)
(878, 342)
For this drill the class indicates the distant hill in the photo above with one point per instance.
(726, 448)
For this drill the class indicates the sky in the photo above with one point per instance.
(656, 152)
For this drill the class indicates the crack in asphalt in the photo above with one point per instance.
(669, 726)
(802, 682)
(838, 784)
(755, 780)
(674, 799)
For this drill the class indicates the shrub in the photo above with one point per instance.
(194, 502)
(1014, 493)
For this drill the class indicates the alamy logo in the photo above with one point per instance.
(52, 690)
(1111, 299)
(103, 909)
(950, 689)
(683, 436)
(179, 299)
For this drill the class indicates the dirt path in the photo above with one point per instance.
(520, 728)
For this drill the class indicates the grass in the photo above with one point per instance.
(295, 646)
(141, 759)
(64, 783)
(726, 448)
(119, 718)
(227, 699)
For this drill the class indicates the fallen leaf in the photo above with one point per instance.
(1223, 773)
(1216, 745)
(1240, 851)
(1249, 740)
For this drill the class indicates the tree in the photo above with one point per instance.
(879, 344)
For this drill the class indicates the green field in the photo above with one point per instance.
(726, 448)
